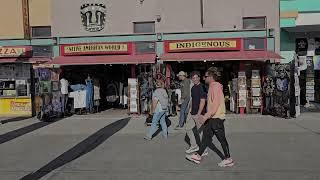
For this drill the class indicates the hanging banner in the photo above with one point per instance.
(317, 46)
(311, 47)
(316, 62)
(302, 63)
(302, 46)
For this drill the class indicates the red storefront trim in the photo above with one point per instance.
(222, 56)
(109, 59)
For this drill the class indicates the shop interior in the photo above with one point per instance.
(111, 81)
(228, 78)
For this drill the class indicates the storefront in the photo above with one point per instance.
(241, 63)
(15, 81)
(110, 66)
(308, 51)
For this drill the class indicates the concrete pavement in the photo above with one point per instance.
(108, 145)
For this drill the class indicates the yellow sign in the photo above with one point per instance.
(12, 51)
(15, 107)
(194, 45)
(103, 48)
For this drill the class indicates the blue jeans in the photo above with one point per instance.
(158, 116)
(184, 110)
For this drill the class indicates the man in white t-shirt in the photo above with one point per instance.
(64, 84)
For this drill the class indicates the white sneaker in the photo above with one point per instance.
(205, 153)
(226, 163)
(192, 150)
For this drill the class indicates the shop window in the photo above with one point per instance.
(15, 80)
(254, 23)
(42, 51)
(255, 44)
(41, 31)
(145, 47)
(143, 27)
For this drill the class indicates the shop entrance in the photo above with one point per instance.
(228, 74)
(110, 83)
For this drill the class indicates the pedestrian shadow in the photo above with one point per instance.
(79, 150)
(14, 119)
(25, 130)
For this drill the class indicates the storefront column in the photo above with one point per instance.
(168, 74)
(242, 67)
(133, 71)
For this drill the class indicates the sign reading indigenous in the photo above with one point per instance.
(203, 45)
(15, 51)
(98, 48)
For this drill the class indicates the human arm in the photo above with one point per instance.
(214, 98)
(154, 105)
(201, 106)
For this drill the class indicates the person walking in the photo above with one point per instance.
(185, 98)
(197, 108)
(160, 102)
(214, 121)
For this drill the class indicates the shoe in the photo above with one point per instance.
(192, 149)
(178, 128)
(226, 163)
(194, 158)
(147, 138)
(205, 153)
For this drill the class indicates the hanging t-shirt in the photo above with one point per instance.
(282, 84)
(301, 46)
(64, 86)
(96, 90)
(317, 46)
(79, 99)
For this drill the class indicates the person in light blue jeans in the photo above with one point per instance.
(185, 98)
(160, 102)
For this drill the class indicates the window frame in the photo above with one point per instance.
(254, 17)
(135, 47)
(265, 44)
(40, 37)
(144, 22)
(51, 47)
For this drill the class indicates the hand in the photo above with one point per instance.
(201, 119)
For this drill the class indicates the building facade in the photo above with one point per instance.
(20, 48)
(77, 33)
(300, 33)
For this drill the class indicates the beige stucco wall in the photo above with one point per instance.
(40, 12)
(176, 15)
(11, 19)
(224, 15)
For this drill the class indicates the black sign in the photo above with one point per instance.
(93, 17)
(302, 46)
(317, 46)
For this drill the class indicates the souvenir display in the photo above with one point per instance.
(281, 101)
(256, 101)
(133, 95)
(256, 82)
(55, 86)
(256, 89)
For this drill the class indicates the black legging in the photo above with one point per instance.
(215, 127)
